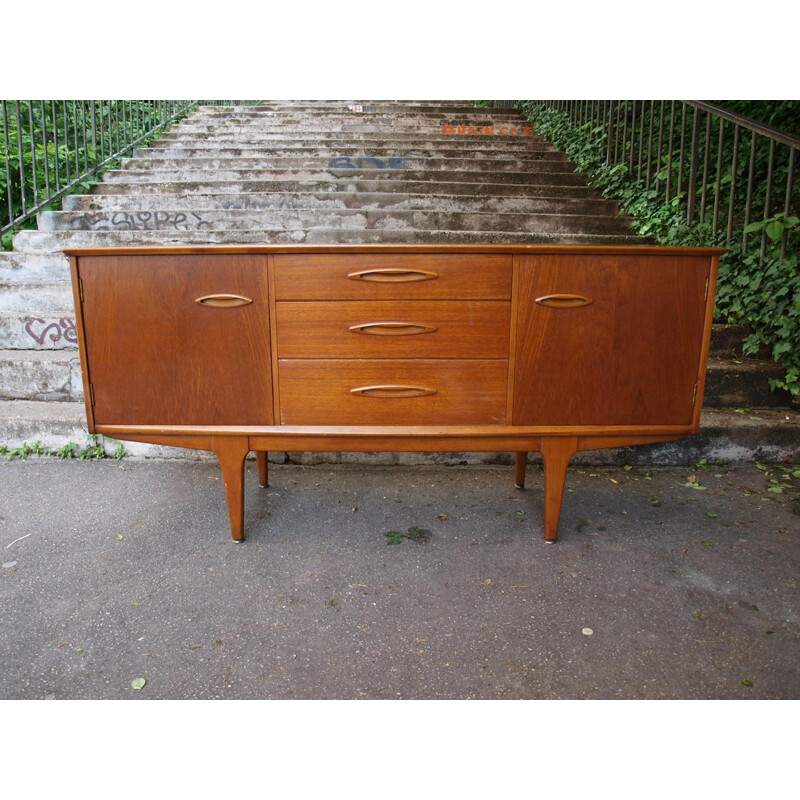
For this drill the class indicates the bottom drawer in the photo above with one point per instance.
(396, 392)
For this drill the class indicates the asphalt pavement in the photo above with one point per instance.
(119, 580)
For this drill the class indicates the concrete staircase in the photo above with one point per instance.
(327, 172)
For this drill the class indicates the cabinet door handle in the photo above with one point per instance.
(392, 390)
(223, 301)
(390, 275)
(563, 301)
(392, 328)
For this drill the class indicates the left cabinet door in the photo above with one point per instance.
(177, 339)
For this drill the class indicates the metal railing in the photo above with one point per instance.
(728, 172)
(51, 147)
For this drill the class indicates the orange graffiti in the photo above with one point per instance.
(487, 130)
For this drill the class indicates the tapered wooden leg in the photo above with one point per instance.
(556, 453)
(520, 466)
(232, 452)
(263, 469)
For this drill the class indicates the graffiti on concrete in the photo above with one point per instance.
(370, 162)
(488, 130)
(54, 331)
(146, 221)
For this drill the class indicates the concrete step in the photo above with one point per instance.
(254, 138)
(32, 296)
(218, 148)
(137, 204)
(549, 163)
(307, 219)
(40, 375)
(38, 330)
(742, 383)
(335, 118)
(727, 341)
(394, 128)
(385, 183)
(27, 267)
(354, 150)
(367, 108)
(211, 137)
(311, 105)
(367, 111)
(334, 139)
(52, 424)
(399, 118)
(489, 179)
(759, 435)
(358, 158)
(54, 241)
(215, 138)
(747, 436)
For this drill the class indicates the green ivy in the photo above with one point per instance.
(763, 293)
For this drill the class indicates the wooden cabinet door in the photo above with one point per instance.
(160, 354)
(631, 355)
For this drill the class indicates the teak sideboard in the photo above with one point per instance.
(555, 349)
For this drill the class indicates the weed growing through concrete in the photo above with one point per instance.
(92, 451)
(416, 534)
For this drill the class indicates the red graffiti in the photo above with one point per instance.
(63, 329)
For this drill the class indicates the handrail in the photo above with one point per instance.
(52, 146)
(729, 172)
(746, 122)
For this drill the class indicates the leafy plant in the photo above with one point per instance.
(774, 227)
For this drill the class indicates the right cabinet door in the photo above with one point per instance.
(608, 339)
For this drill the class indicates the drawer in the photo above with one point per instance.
(392, 276)
(394, 329)
(398, 392)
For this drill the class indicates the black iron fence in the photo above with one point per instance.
(52, 147)
(728, 172)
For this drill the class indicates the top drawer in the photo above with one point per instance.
(431, 276)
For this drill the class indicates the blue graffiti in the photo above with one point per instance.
(369, 162)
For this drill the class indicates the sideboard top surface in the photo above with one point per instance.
(512, 249)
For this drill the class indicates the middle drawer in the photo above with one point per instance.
(393, 329)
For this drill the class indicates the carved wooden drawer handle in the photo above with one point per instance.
(563, 301)
(392, 328)
(223, 301)
(389, 275)
(391, 390)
